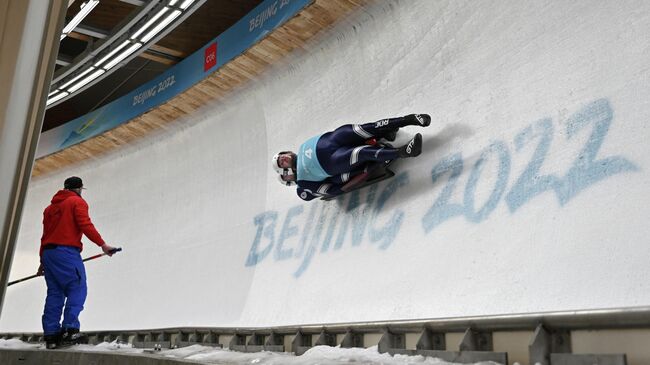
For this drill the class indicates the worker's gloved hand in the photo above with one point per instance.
(41, 270)
(109, 250)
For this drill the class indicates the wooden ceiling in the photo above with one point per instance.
(106, 15)
(212, 19)
(207, 22)
(293, 35)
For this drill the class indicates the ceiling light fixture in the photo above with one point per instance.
(76, 78)
(85, 81)
(122, 55)
(149, 23)
(112, 53)
(86, 8)
(186, 4)
(151, 28)
(57, 97)
(161, 25)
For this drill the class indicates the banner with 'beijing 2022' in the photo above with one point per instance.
(249, 30)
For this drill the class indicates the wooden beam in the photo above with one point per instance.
(169, 51)
(156, 58)
(80, 36)
(253, 62)
(91, 31)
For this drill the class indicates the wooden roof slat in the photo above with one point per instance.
(293, 35)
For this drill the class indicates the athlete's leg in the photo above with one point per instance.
(357, 134)
(348, 159)
(384, 127)
(345, 177)
(345, 135)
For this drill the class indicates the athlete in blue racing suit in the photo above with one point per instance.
(325, 163)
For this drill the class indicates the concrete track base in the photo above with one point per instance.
(63, 357)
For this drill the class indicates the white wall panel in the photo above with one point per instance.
(531, 193)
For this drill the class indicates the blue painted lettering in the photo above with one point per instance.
(586, 170)
(265, 223)
(471, 214)
(306, 230)
(357, 217)
(387, 234)
(441, 210)
(530, 183)
(315, 238)
(360, 214)
(287, 231)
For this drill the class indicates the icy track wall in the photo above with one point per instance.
(531, 193)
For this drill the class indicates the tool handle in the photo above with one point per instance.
(117, 249)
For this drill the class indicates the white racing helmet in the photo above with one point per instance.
(282, 171)
(274, 162)
(286, 173)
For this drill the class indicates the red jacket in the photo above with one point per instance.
(66, 219)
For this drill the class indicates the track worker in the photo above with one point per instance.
(64, 221)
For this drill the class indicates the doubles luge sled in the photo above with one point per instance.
(376, 172)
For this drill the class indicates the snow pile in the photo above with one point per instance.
(112, 346)
(15, 343)
(319, 355)
(115, 346)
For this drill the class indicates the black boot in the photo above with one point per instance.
(411, 149)
(390, 136)
(72, 336)
(423, 120)
(52, 341)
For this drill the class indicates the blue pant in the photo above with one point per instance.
(65, 276)
(344, 150)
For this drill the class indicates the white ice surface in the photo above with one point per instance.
(526, 223)
(321, 355)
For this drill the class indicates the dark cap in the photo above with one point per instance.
(73, 183)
